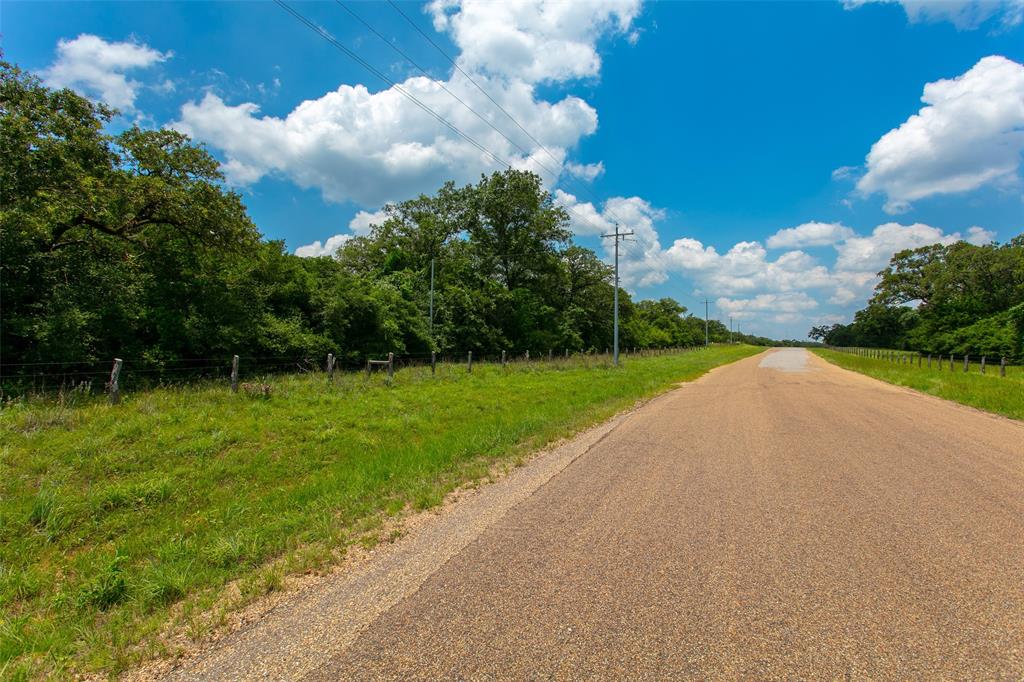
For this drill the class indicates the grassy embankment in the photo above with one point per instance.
(117, 523)
(989, 391)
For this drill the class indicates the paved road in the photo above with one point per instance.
(778, 518)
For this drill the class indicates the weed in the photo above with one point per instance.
(107, 588)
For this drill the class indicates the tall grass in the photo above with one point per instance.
(989, 391)
(116, 521)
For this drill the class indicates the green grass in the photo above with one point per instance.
(119, 523)
(989, 391)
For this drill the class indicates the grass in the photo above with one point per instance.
(121, 523)
(989, 391)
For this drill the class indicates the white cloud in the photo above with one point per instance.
(872, 252)
(969, 134)
(585, 171)
(809, 234)
(845, 172)
(96, 68)
(374, 147)
(532, 40)
(964, 14)
(327, 248)
(778, 308)
(979, 236)
(364, 220)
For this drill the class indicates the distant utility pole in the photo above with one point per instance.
(730, 329)
(618, 236)
(431, 300)
(706, 323)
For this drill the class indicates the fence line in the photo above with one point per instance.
(234, 369)
(907, 357)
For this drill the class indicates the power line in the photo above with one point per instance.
(373, 70)
(369, 67)
(486, 94)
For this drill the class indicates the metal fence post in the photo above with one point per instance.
(234, 374)
(115, 387)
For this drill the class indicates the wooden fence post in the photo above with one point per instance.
(391, 367)
(368, 363)
(566, 353)
(330, 366)
(551, 354)
(982, 364)
(527, 356)
(919, 361)
(1002, 367)
(469, 362)
(433, 363)
(929, 361)
(115, 387)
(966, 363)
(502, 358)
(950, 362)
(234, 374)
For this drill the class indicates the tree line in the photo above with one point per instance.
(957, 298)
(130, 245)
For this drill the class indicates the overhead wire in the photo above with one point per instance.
(486, 94)
(313, 26)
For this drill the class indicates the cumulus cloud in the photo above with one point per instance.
(964, 14)
(872, 252)
(327, 248)
(585, 171)
(364, 220)
(97, 68)
(532, 40)
(778, 308)
(374, 147)
(969, 134)
(809, 234)
(359, 226)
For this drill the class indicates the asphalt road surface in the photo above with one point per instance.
(779, 517)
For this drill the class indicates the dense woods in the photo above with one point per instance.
(130, 245)
(957, 298)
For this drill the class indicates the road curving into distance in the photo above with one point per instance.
(779, 517)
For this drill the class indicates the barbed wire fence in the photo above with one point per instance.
(994, 365)
(251, 373)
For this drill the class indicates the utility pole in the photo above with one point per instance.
(431, 300)
(730, 329)
(619, 236)
(706, 323)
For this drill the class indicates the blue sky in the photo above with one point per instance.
(770, 156)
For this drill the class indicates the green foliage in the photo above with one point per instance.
(968, 300)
